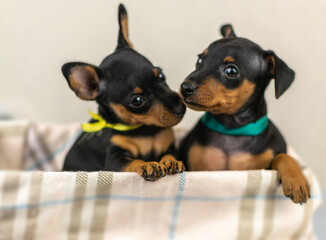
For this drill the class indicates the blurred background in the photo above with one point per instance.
(37, 37)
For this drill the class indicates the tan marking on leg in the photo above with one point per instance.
(172, 165)
(133, 165)
(305, 224)
(202, 158)
(247, 161)
(150, 171)
(294, 182)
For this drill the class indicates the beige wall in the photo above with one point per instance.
(37, 37)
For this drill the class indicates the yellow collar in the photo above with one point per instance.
(101, 123)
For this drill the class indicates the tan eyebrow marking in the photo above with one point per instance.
(156, 72)
(205, 51)
(228, 59)
(138, 90)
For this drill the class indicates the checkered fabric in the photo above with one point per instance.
(106, 205)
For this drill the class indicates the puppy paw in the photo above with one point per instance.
(172, 165)
(151, 171)
(295, 187)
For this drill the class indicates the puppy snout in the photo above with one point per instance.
(173, 103)
(180, 111)
(177, 107)
(188, 88)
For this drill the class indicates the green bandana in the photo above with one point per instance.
(251, 129)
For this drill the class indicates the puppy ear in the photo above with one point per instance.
(123, 40)
(83, 79)
(280, 71)
(227, 31)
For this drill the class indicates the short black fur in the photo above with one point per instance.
(252, 62)
(229, 82)
(122, 77)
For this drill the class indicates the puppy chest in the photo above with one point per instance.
(208, 158)
(145, 146)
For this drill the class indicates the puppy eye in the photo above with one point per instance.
(200, 60)
(161, 76)
(231, 71)
(137, 101)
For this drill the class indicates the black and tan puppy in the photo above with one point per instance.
(235, 134)
(137, 108)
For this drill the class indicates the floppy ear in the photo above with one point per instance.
(123, 40)
(279, 70)
(227, 31)
(83, 79)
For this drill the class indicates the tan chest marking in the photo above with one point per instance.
(163, 141)
(202, 158)
(247, 161)
(135, 145)
(141, 146)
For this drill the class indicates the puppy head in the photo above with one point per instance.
(127, 84)
(231, 73)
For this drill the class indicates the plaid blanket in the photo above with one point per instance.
(106, 205)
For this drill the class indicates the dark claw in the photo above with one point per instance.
(149, 179)
(280, 181)
(165, 172)
(169, 169)
(144, 173)
(291, 196)
(154, 171)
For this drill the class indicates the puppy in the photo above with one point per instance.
(136, 110)
(235, 134)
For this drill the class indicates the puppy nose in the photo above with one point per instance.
(180, 110)
(188, 88)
